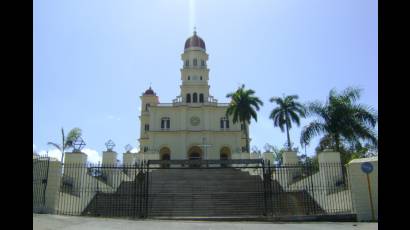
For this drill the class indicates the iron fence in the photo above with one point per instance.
(103, 190)
(206, 188)
(210, 188)
(305, 189)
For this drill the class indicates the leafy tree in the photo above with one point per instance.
(287, 111)
(341, 121)
(242, 107)
(67, 142)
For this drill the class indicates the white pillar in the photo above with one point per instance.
(360, 188)
(109, 158)
(75, 170)
(268, 157)
(109, 164)
(128, 160)
(47, 173)
(290, 158)
(291, 167)
(330, 169)
(53, 185)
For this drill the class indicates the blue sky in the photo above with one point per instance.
(94, 58)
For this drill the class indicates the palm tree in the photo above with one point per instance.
(242, 108)
(66, 142)
(288, 111)
(341, 120)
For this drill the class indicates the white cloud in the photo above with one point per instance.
(54, 153)
(112, 117)
(92, 155)
(135, 150)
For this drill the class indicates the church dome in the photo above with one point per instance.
(149, 91)
(194, 41)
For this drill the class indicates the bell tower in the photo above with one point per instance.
(194, 73)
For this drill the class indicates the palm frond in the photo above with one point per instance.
(315, 128)
(55, 145)
(294, 117)
(351, 94)
(72, 136)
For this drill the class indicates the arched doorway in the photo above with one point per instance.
(165, 155)
(225, 154)
(195, 154)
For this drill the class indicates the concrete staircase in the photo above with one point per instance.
(296, 203)
(205, 192)
(202, 192)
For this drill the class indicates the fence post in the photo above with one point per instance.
(46, 184)
(75, 173)
(330, 168)
(128, 161)
(75, 167)
(290, 163)
(53, 185)
(364, 188)
(109, 162)
(147, 190)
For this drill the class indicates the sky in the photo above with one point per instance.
(93, 59)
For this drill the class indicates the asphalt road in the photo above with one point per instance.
(55, 222)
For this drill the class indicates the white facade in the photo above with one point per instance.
(194, 125)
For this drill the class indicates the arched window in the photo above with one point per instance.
(201, 98)
(202, 63)
(189, 78)
(195, 98)
(147, 106)
(187, 63)
(195, 62)
(188, 98)
(200, 78)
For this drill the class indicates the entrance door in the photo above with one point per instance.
(195, 156)
(225, 154)
(165, 155)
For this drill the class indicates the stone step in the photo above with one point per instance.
(199, 192)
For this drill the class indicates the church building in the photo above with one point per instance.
(194, 126)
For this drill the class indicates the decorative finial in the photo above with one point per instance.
(110, 145)
(128, 148)
(194, 30)
(78, 144)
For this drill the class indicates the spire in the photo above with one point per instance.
(194, 30)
